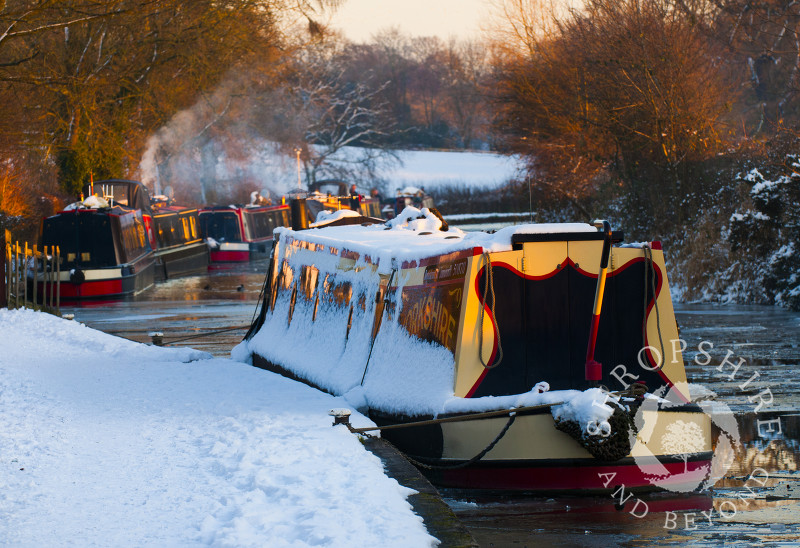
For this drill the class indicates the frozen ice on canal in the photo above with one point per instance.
(107, 442)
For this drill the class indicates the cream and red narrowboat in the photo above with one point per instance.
(410, 322)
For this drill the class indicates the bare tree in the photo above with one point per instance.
(630, 84)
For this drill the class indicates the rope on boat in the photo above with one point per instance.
(372, 343)
(207, 334)
(488, 285)
(459, 418)
(261, 304)
(648, 267)
(474, 459)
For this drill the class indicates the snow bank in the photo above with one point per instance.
(106, 442)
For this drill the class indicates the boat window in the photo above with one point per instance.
(223, 226)
(186, 231)
(166, 230)
(308, 281)
(193, 226)
(132, 236)
(287, 275)
(260, 224)
(340, 293)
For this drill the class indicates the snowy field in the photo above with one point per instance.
(106, 442)
(276, 172)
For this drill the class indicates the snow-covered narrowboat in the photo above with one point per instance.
(238, 233)
(561, 328)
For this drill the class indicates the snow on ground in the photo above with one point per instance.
(106, 442)
(432, 168)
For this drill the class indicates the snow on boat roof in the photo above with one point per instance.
(415, 234)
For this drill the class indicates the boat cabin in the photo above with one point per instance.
(241, 233)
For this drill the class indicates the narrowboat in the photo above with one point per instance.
(333, 195)
(407, 196)
(239, 233)
(180, 250)
(539, 358)
(104, 249)
(119, 241)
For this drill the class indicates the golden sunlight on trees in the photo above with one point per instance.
(99, 76)
(83, 83)
(624, 84)
(13, 203)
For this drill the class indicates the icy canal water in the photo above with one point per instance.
(748, 507)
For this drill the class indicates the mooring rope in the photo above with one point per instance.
(474, 459)
(206, 334)
(488, 285)
(458, 418)
(648, 266)
(372, 343)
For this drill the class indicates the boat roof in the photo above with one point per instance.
(236, 207)
(415, 234)
(78, 208)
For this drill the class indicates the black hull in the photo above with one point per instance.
(181, 261)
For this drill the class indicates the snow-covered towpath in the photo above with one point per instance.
(106, 442)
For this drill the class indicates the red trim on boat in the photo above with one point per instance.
(92, 288)
(555, 271)
(229, 256)
(557, 478)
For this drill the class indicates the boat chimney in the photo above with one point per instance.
(299, 214)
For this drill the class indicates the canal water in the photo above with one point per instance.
(755, 504)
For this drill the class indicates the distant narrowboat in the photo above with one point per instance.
(118, 242)
(104, 249)
(180, 249)
(333, 195)
(238, 233)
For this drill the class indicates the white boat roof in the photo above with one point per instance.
(415, 234)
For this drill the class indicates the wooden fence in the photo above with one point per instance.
(31, 277)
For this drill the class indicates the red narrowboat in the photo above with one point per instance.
(238, 233)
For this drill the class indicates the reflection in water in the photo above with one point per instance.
(776, 451)
(195, 306)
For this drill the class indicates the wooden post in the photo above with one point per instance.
(35, 265)
(4, 270)
(58, 281)
(16, 274)
(50, 279)
(25, 278)
(46, 303)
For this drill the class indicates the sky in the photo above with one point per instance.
(361, 19)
